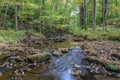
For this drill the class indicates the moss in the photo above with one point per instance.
(10, 35)
(111, 66)
(39, 56)
(13, 36)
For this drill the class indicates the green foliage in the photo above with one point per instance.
(10, 35)
(111, 66)
(52, 15)
(111, 34)
(9, 24)
(13, 36)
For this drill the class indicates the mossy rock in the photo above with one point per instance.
(39, 57)
(13, 61)
(111, 66)
(16, 60)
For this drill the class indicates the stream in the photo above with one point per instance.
(69, 66)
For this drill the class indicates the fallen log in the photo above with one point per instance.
(107, 64)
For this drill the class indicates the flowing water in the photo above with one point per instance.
(65, 67)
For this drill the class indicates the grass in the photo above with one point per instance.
(100, 34)
(10, 35)
(111, 34)
(13, 36)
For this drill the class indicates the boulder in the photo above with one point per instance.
(64, 50)
(39, 57)
(57, 53)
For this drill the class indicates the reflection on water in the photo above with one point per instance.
(63, 67)
(66, 76)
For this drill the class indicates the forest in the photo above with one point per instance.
(59, 39)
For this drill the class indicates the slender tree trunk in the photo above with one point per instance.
(85, 19)
(105, 16)
(42, 2)
(116, 8)
(81, 13)
(94, 16)
(16, 17)
(5, 16)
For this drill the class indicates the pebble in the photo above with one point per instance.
(0, 74)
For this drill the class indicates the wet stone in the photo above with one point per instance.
(57, 53)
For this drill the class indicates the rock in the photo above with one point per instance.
(88, 76)
(0, 53)
(15, 74)
(3, 68)
(78, 72)
(64, 50)
(116, 55)
(117, 75)
(118, 48)
(77, 66)
(0, 74)
(57, 53)
(39, 57)
(15, 59)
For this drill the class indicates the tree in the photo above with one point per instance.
(16, 17)
(6, 11)
(82, 14)
(94, 16)
(116, 8)
(85, 17)
(105, 16)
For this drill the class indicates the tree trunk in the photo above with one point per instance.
(116, 9)
(82, 16)
(105, 17)
(16, 17)
(85, 19)
(94, 16)
(5, 16)
(42, 7)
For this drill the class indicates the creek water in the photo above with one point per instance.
(65, 67)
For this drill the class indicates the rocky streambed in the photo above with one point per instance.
(29, 63)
